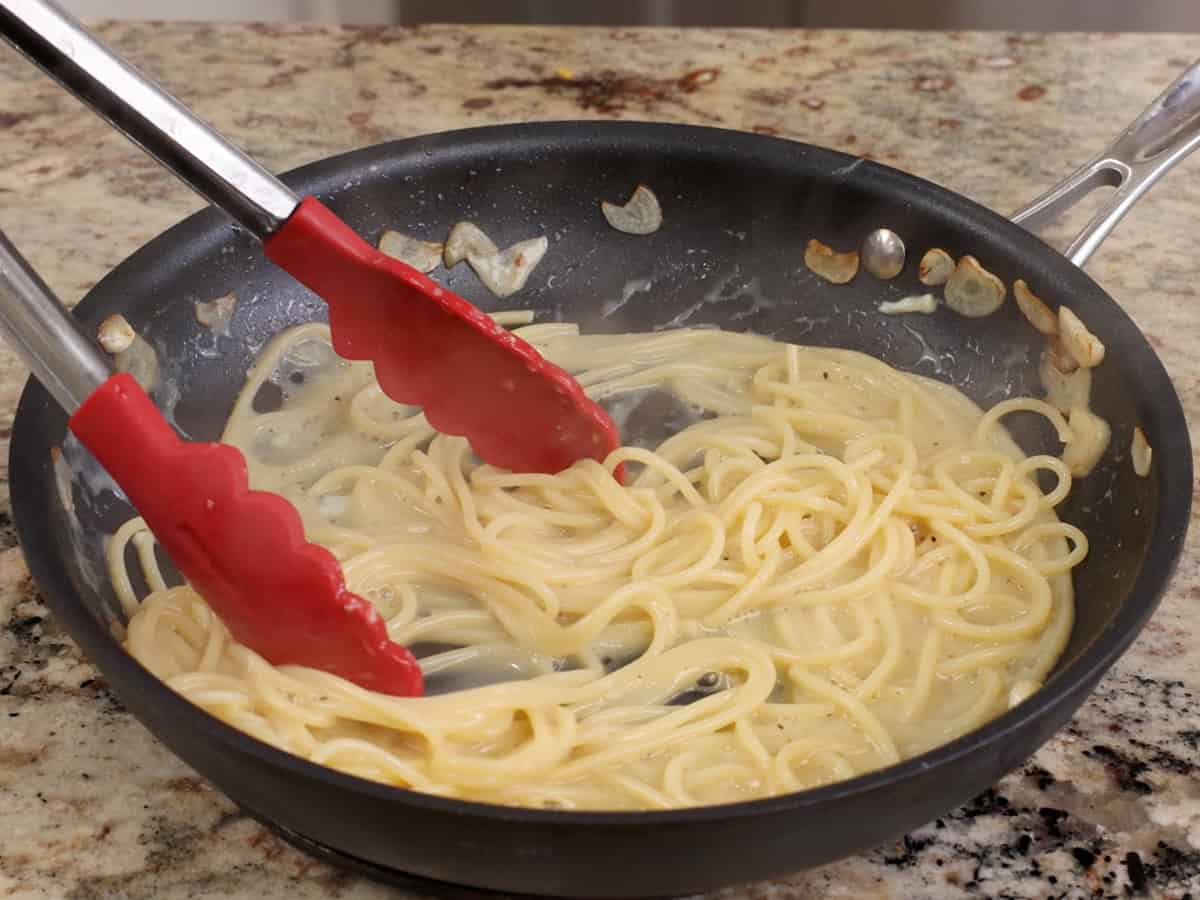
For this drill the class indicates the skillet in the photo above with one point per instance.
(738, 209)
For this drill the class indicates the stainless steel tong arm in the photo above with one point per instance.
(147, 114)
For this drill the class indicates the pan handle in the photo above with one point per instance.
(147, 114)
(1160, 137)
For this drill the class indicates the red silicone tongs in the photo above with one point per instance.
(245, 550)
(430, 347)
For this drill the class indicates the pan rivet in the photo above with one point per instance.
(883, 253)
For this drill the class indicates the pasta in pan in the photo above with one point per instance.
(825, 567)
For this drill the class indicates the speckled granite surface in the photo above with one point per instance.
(91, 806)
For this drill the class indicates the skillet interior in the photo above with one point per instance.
(738, 209)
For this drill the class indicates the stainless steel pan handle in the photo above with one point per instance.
(147, 114)
(1160, 137)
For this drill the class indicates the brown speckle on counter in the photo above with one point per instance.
(769, 97)
(94, 807)
(9, 119)
(612, 92)
(931, 84)
(284, 77)
(1032, 92)
(697, 78)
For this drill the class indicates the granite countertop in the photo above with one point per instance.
(92, 806)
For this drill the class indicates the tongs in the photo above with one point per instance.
(430, 347)
(244, 550)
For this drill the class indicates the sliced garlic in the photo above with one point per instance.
(1090, 435)
(1083, 346)
(1141, 453)
(1022, 691)
(140, 361)
(1039, 315)
(64, 476)
(131, 352)
(641, 213)
(506, 272)
(466, 239)
(925, 303)
(216, 315)
(1059, 356)
(826, 262)
(1064, 390)
(935, 267)
(424, 256)
(973, 291)
(115, 334)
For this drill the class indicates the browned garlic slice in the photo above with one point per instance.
(1059, 356)
(641, 213)
(63, 478)
(130, 351)
(925, 303)
(115, 334)
(502, 272)
(216, 315)
(973, 291)
(1039, 315)
(1084, 347)
(506, 272)
(466, 239)
(1064, 390)
(936, 267)
(424, 256)
(140, 361)
(829, 264)
(1022, 691)
(1090, 435)
(1141, 454)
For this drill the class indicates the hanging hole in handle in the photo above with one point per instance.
(1067, 215)
(1109, 174)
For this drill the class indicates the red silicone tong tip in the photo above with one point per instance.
(243, 550)
(433, 349)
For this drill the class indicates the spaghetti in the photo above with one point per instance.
(828, 567)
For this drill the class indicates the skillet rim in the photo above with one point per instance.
(209, 227)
